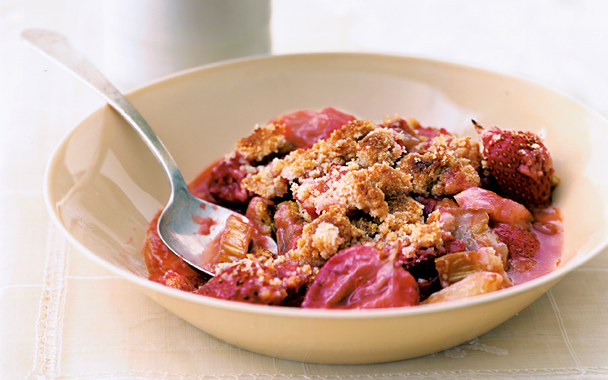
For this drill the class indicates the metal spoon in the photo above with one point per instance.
(177, 225)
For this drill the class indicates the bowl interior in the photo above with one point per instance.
(103, 185)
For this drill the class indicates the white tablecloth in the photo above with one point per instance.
(63, 317)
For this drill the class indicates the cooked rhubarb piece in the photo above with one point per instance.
(235, 239)
(260, 213)
(472, 285)
(359, 278)
(454, 267)
(411, 135)
(501, 210)
(304, 128)
(289, 224)
(471, 226)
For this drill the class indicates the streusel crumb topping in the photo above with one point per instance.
(356, 186)
(263, 142)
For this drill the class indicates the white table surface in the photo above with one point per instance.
(47, 289)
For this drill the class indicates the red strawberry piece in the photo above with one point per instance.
(246, 282)
(521, 164)
(276, 283)
(224, 184)
(523, 245)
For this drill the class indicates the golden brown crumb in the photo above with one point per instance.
(412, 236)
(444, 168)
(312, 249)
(362, 189)
(380, 146)
(263, 142)
(403, 203)
(339, 148)
(326, 238)
(265, 184)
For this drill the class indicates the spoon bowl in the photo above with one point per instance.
(179, 223)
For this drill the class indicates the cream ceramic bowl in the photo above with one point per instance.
(102, 186)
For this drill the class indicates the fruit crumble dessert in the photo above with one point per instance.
(372, 215)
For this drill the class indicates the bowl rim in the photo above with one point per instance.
(293, 312)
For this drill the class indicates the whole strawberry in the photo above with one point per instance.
(521, 164)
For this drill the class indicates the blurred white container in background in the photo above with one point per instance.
(147, 39)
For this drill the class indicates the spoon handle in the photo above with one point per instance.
(56, 46)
